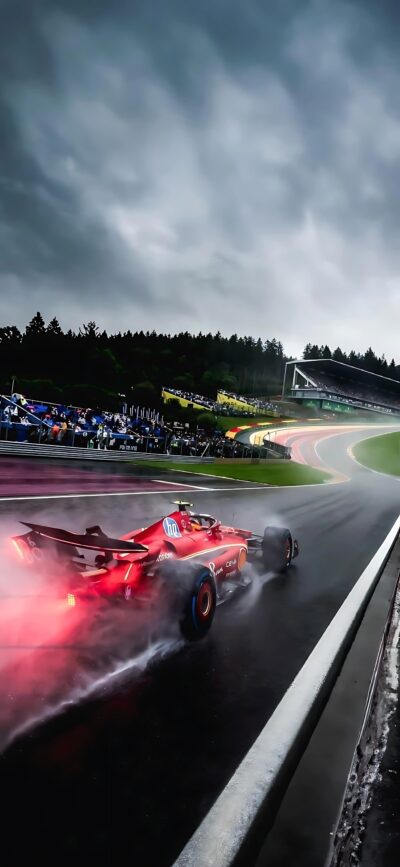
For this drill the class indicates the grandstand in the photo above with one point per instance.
(246, 404)
(226, 403)
(331, 385)
(198, 402)
(22, 420)
(138, 430)
(188, 399)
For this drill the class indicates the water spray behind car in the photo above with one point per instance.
(52, 655)
(141, 594)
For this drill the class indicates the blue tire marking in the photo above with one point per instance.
(194, 618)
(199, 582)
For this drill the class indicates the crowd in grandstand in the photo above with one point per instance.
(258, 404)
(219, 446)
(142, 430)
(224, 408)
(191, 397)
(356, 395)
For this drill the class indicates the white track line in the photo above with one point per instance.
(255, 487)
(182, 484)
(247, 482)
(214, 476)
(128, 494)
(87, 496)
(364, 466)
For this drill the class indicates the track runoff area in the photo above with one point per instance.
(117, 755)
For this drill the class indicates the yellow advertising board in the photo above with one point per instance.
(183, 401)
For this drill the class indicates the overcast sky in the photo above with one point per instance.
(203, 165)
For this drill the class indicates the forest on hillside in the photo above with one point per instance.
(92, 367)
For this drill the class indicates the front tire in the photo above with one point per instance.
(277, 549)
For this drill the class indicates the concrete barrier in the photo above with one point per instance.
(234, 830)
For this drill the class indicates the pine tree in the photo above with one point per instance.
(89, 329)
(338, 355)
(54, 327)
(36, 326)
(9, 333)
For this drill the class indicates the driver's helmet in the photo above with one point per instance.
(195, 524)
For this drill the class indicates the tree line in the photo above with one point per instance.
(91, 367)
(367, 360)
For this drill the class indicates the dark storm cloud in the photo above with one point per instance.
(160, 159)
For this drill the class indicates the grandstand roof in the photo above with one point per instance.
(327, 379)
(323, 363)
(345, 372)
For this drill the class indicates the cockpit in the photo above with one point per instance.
(201, 522)
(194, 521)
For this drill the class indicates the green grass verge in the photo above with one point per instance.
(285, 473)
(227, 422)
(380, 453)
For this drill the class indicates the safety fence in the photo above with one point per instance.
(14, 449)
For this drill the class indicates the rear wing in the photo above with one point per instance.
(93, 540)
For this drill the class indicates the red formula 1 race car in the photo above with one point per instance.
(192, 559)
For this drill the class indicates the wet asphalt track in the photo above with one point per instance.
(125, 776)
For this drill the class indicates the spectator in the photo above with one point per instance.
(99, 436)
(54, 431)
(63, 432)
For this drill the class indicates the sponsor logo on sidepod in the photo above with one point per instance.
(214, 571)
(171, 528)
(164, 556)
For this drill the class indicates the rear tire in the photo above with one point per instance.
(194, 598)
(277, 549)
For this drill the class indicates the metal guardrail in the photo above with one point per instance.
(232, 833)
(30, 415)
(371, 743)
(75, 452)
